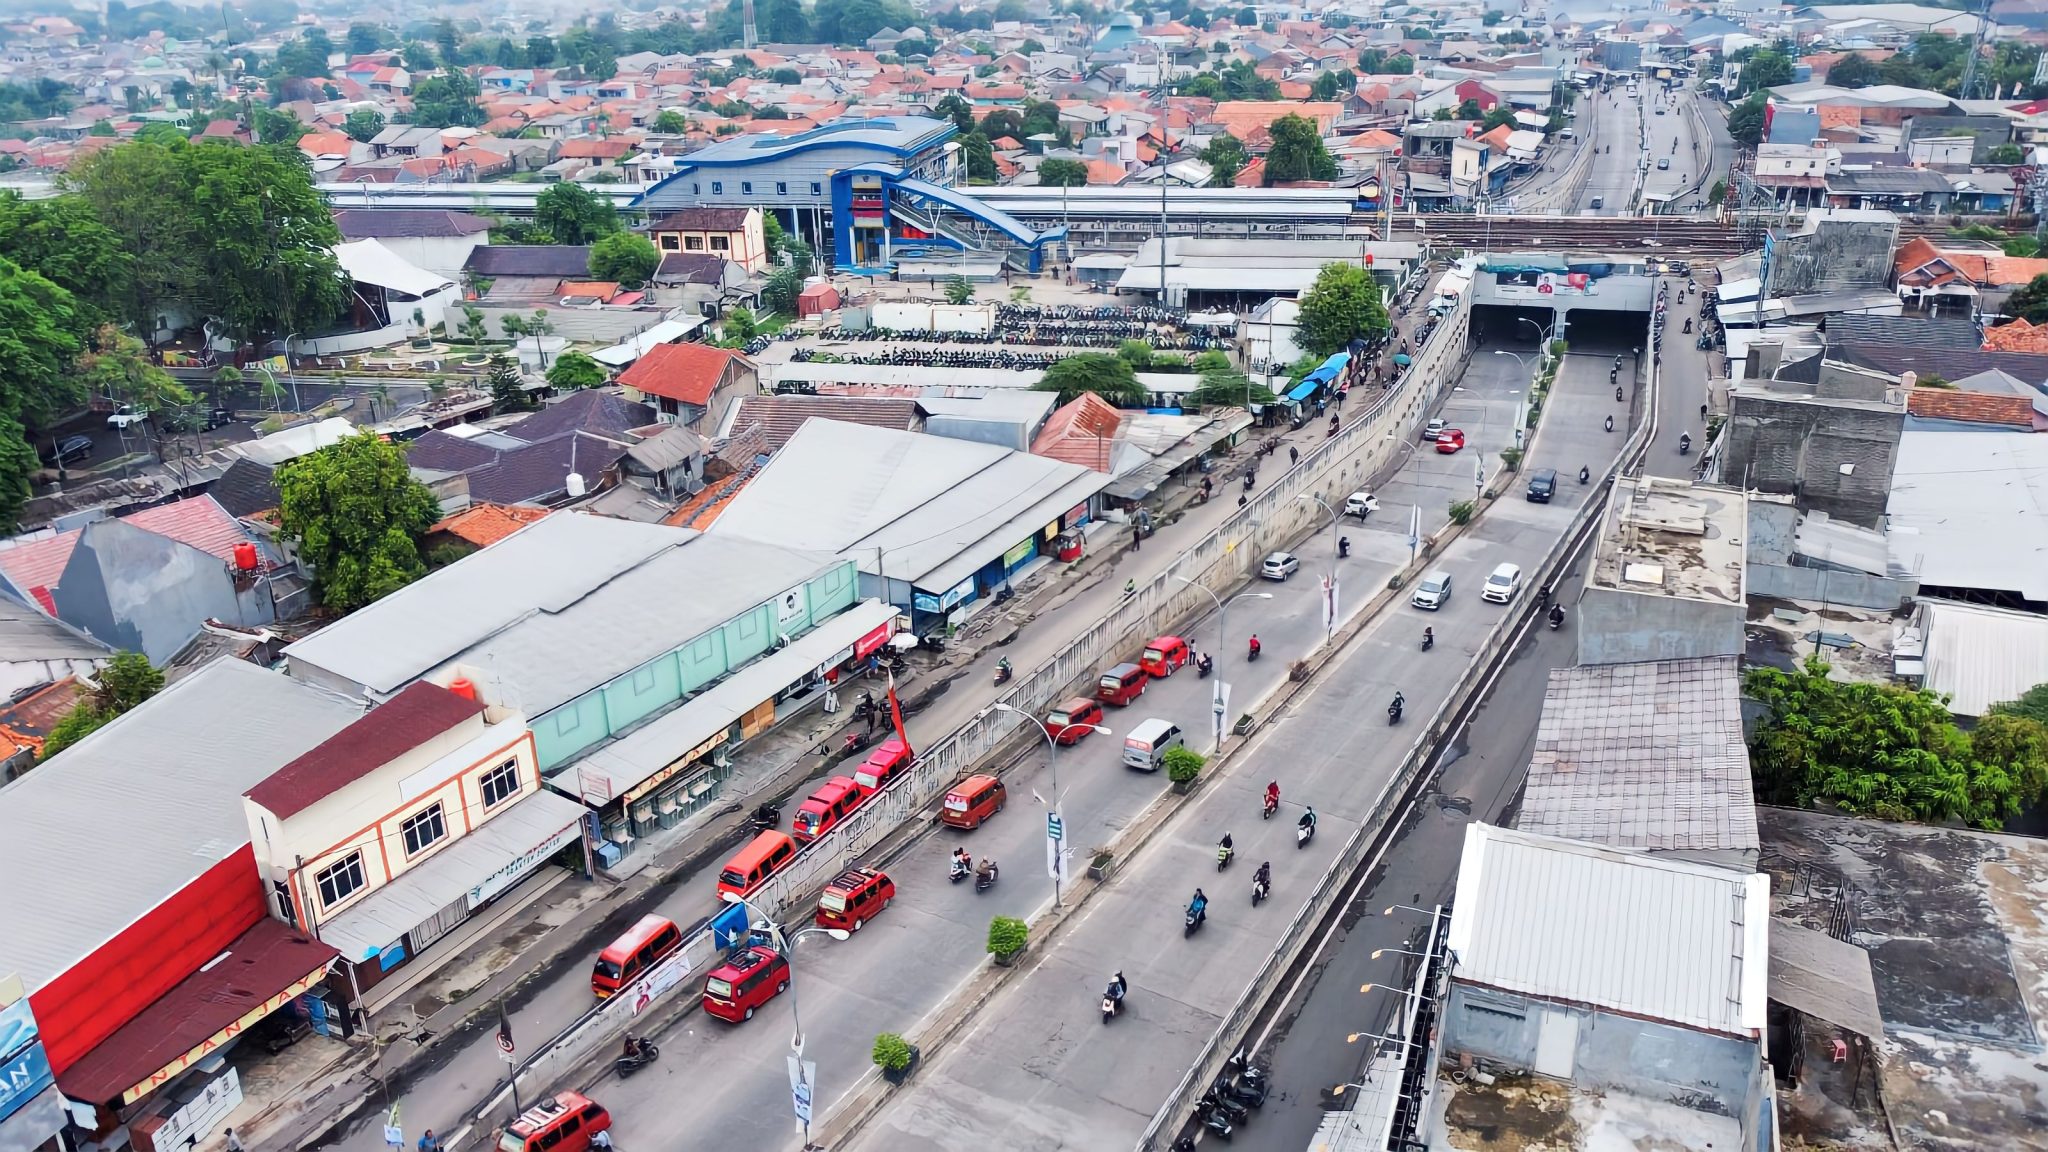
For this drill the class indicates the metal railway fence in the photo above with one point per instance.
(1217, 561)
(1259, 991)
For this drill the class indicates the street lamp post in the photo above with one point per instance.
(1329, 590)
(1521, 409)
(1221, 698)
(1052, 763)
(799, 1072)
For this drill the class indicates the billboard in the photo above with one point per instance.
(24, 1067)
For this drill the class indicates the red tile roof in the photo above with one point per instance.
(1970, 407)
(2018, 336)
(685, 372)
(485, 524)
(411, 718)
(1081, 432)
(198, 520)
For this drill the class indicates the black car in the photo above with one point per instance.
(67, 450)
(1542, 485)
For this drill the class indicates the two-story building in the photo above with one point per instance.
(392, 833)
(735, 234)
(686, 382)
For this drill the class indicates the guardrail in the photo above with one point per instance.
(1179, 1105)
(1218, 560)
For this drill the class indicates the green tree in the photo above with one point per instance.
(958, 290)
(1746, 122)
(502, 379)
(1061, 173)
(364, 39)
(1766, 69)
(363, 124)
(2032, 704)
(1109, 377)
(446, 99)
(117, 367)
(740, 326)
(1888, 751)
(2004, 154)
(1226, 387)
(1468, 109)
(573, 215)
(1247, 17)
(303, 57)
(356, 515)
(959, 111)
(126, 681)
(980, 158)
(1298, 152)
(1854, 71)
(672, 122)
(573, 370)
(1718, 192)
(447, 42)
(780, 290)
(626, 257)
(1344, 304)
(1332, 85)
(1137, 353)
(1225, 156)
(2030, 302)
(475, 328)
(1500, 115)
(39, 338)
(417, 57)
(61, 239)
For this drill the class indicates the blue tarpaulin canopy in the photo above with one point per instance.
(1328, 371)
(1303, 390)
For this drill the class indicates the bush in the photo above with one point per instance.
(1182, 764)
(1511, 459)
(1461, 512)
(1007, 936)
(891, 1052)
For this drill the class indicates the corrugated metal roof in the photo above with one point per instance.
(556, 609)
(1966, 510)
(937, 508)
(409, 719)
(1647, 756)
(1651, 936)
(157, 796)
(1982, 656)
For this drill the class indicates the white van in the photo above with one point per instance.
(1145, 748)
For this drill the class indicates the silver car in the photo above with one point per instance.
(1434, 589)
(1280, 565)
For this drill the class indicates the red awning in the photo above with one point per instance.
(874, 640)
(259, 973)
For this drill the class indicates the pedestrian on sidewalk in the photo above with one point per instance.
(234, 1142)
(1137, 537)
(429, 1142)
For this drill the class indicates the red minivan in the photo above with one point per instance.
(1163, 655)
(1073, 719)
(564, 1123)
(630, 956)
(832, 802)
(1121, 685)
(745, 982)
(889, 757)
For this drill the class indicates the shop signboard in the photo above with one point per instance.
(520, 865)
(24, 1067)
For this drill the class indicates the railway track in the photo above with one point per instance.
(1577, 233)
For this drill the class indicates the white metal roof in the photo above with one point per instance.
(665, 332)
(555, 609)
(118, 823)
(1982, 656)
(956, 380)
(1970, 510)
(1650, 936)
(937, 508)
(370, 262)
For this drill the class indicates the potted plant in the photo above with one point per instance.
(1244, 725)
(895, 1056)
(1100, 863)
(1007, 936)
(423, 340)
(1183, 764)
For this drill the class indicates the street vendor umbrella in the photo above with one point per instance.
(1401, 360)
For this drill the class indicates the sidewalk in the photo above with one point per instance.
(533, 961)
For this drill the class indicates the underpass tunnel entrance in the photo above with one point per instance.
(1582, 329)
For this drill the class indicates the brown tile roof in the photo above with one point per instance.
(411, 718)
(2018, 336)
(1970, 407)
(29, 719)
(485, 524)
(780, 416)
(702, 220)
(1083, 432)
(685, 372)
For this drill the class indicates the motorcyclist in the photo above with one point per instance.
(632, 1047)
(1273, 794)
(1556, 615)
(1688, 323)
(1610, 423)
(1685, 441)
(1429, 637)
(1343, 547)
(987, 871)
(1399, 702)
(1117, 987)
(1308, 818)
(1585, 473)
(1003, 667)
(1130, 587)
(1199, 906)
(963, 860)
(1264, 876)
(1254, 647)
(1543, 594)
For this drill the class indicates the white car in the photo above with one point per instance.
(1438, 424)
(1503, 584)
(126, 415)
(1280, 565)
(1433, 591)
(1361, 504)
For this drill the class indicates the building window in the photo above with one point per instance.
(499, 784)
(340, 880)
(718, 244)
(746, 187)
(670, 242)
(694, 243)
(815, 189)
(696, 189)
(782, 187)
(718, 187)
(423, 830)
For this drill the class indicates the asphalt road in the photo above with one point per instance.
(1618, 135)
(1682, 387)
(1037, 1069)
(1633, 138)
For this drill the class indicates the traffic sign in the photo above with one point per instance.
(1054, 829)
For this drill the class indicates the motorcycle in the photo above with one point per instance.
(1271, 806)
(765, 817)
(1394, 713)
(983, 881)
(1688, 323)
(961, 870)
(1303, 833)
(1556, 619)
(1004, 594)
(1224, 855)
(1685, 445)
(1428, 640)
(1194, 921)
(1002, 674)
(1259, 892)
(1251, 655)
(1216, 1124)
(854, 742)
(1231, 1109)
(644, 1054)
(1112, 1000)
(1617, 392)
(1245, 1082)
(1203, 666)
(1585, 474)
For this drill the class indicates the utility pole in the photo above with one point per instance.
(748, 34)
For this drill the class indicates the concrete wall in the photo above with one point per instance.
(1774, 570)
(1796, 445)
(1614, 1052)
(141, 592)
(1617, 627)
(1839, 256)
(589, 325)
